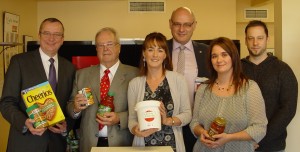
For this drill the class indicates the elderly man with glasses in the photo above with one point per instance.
(111, 129)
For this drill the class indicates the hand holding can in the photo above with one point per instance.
(87, 92)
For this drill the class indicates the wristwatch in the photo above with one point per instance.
(173, 122)
(64, 133)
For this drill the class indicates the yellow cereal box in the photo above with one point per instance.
(43, 95)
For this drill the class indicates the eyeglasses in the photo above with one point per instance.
(184, 25)
(107, 45)
(54, 35)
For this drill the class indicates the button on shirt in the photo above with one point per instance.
(46, 64)
(113, 70)
(190, 70)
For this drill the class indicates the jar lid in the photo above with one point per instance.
(34, 106)
(220, 121)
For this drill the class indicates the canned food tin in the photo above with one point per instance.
(87, 92)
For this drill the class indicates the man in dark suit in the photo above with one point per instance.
(182, 25)
(115, 131)
(27, 70)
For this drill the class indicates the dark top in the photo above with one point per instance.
(164, 137)
(26, 70)
(279, 88)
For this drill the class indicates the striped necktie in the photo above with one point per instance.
(52, 74)
(181, 60)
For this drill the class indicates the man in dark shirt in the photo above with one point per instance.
(277, 82)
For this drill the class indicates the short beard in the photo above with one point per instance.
(258, 54)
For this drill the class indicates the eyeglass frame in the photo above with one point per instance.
(184, 25)
(54, 35)
(108, 45)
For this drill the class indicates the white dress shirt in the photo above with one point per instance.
(190, 68)
(46, 63)
(113, 70)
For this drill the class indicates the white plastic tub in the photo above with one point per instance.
(148, 114)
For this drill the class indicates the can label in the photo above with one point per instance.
(87, 92)
(103, 109)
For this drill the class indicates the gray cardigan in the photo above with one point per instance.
(182, 108)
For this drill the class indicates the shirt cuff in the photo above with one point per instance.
(65, 133)
(24, 130)
(76, 114)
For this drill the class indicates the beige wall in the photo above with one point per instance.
(83, 19)
(288, 32)
(28, 23)
(27, 11)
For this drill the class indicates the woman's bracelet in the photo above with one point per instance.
(173, 122)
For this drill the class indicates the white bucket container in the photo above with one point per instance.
(148, 114)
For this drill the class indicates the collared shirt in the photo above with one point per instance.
(191, 69)
(46, 63)
(113, 70)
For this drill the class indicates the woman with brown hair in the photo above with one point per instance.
(228, 95)
(158, 82)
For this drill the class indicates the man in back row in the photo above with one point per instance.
(278, 85)
(188, 57)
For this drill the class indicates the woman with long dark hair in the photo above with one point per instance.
(230, 97)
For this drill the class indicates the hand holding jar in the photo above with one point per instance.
(216, 127)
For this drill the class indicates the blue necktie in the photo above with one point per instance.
(52, 74)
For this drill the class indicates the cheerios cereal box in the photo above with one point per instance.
(43, 95)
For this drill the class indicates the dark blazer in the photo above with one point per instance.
(201, 54)
(26, 70)
(118, 135)
(200, 50)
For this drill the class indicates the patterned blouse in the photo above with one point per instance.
(164, 137)
(244, 111)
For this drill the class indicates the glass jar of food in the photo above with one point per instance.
(217, 127)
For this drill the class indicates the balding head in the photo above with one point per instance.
(182, 24)
(182, 10)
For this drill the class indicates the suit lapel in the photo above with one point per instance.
(119, 78)
(38, 64)
(170, 46)
(94, 81)
(197, 51)
(61, 77)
